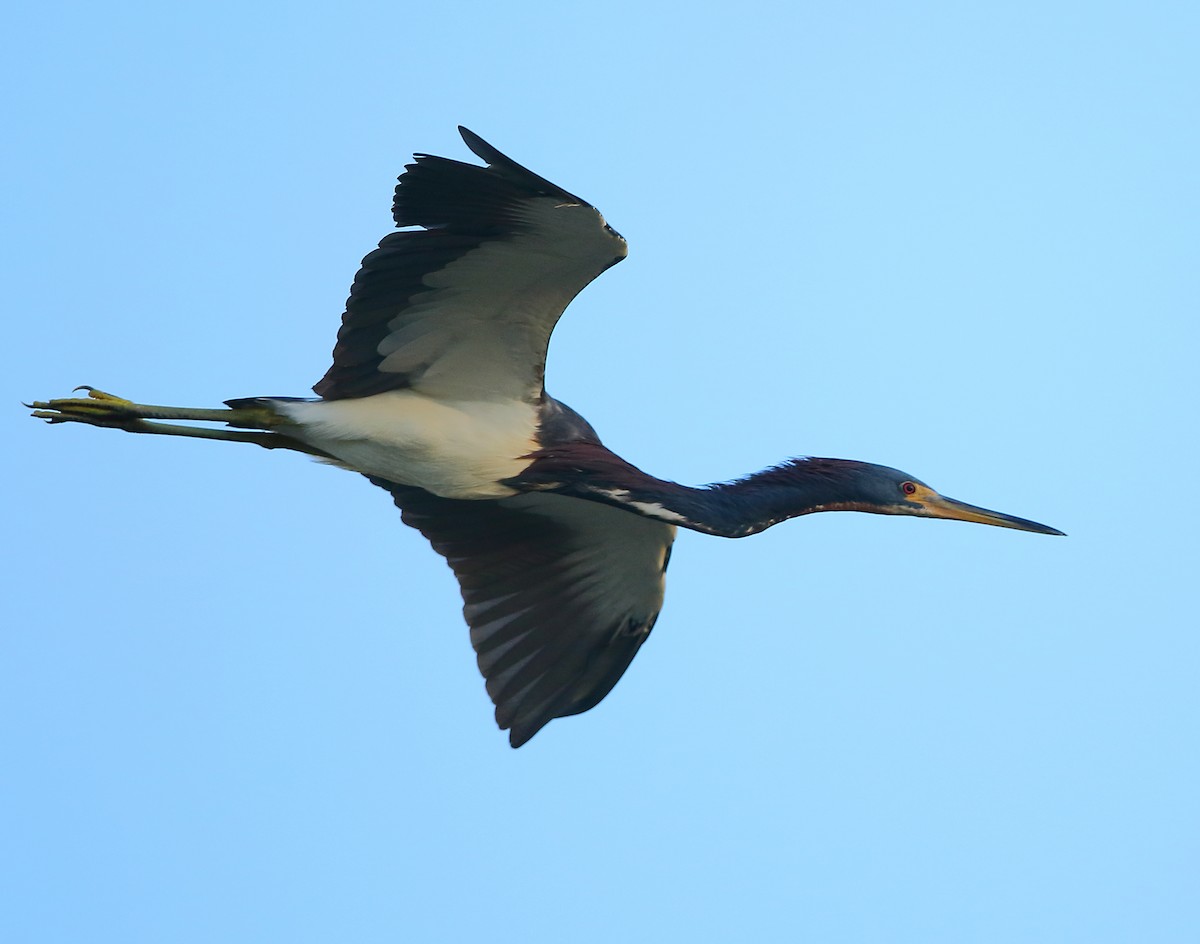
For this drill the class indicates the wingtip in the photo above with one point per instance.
(519, 734)
(479, 147)
(507, 167)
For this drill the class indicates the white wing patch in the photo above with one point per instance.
(649, 509)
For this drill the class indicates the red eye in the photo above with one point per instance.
(908, 488)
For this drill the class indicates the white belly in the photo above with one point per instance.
(453, 449)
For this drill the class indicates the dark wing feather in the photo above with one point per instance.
(559, 594)
(464, 308)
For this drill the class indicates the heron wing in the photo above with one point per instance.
(463, 308)
(559, 593)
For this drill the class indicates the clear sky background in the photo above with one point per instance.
(237, 700)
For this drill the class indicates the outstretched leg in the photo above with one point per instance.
(257, 423)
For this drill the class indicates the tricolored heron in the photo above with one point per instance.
(435, 394)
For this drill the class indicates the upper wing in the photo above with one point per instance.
(559, 593)
(464, 307)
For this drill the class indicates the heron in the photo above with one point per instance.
(436, 394)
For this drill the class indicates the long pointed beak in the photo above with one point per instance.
(939, 506)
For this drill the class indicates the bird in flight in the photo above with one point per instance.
(436, 394)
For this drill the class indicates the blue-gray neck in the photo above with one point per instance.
(729, 509)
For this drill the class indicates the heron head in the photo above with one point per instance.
(889, 491)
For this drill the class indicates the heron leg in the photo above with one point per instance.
(105, 410)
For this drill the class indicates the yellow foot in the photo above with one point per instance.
(98, 409)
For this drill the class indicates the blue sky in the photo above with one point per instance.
(237, 701)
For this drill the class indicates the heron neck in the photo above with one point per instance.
(727, 509)
(758, 501)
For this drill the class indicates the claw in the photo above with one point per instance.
(96, 408)
(94, 394)
(47, 415)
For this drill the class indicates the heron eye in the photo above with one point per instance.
(908, 488)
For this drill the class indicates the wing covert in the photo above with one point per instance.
(559, 594)
(463, 308)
